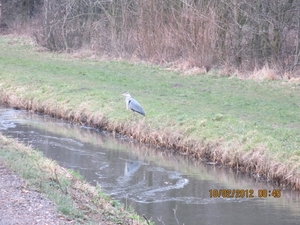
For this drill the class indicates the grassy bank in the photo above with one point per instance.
(76, 199)
(241, 123)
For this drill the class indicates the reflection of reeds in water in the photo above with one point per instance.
(256, 161)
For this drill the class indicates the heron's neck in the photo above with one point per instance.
(127, 101)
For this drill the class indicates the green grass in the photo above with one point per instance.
(73, 197)
(28, 166)
(241, 112)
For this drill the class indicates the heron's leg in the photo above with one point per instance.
(134, 115)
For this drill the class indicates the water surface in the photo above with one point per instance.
(167, 188)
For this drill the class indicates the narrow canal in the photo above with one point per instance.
(168, 189)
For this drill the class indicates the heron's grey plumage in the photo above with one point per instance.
(133, 104)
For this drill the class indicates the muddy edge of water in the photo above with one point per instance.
(255, 161)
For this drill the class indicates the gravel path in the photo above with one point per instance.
(20, 205)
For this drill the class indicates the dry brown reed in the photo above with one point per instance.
(256, 161)
(265, 73)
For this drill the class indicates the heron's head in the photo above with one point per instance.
(126, 94)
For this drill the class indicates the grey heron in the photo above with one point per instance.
(133, 104)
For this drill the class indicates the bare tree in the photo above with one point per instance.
(243, 34)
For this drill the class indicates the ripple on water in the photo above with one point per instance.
(4, 124)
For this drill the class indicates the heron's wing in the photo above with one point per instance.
(135, 106)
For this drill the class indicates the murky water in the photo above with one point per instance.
(166, 188)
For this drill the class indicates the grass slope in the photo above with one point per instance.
(240, 115)
(80, 202)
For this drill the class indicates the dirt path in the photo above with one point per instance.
(20, 205)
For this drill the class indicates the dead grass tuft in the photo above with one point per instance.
(265, 73)
(85, 53)
(229, 71)
(294, 80)
(259, 74)
(189, 67)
